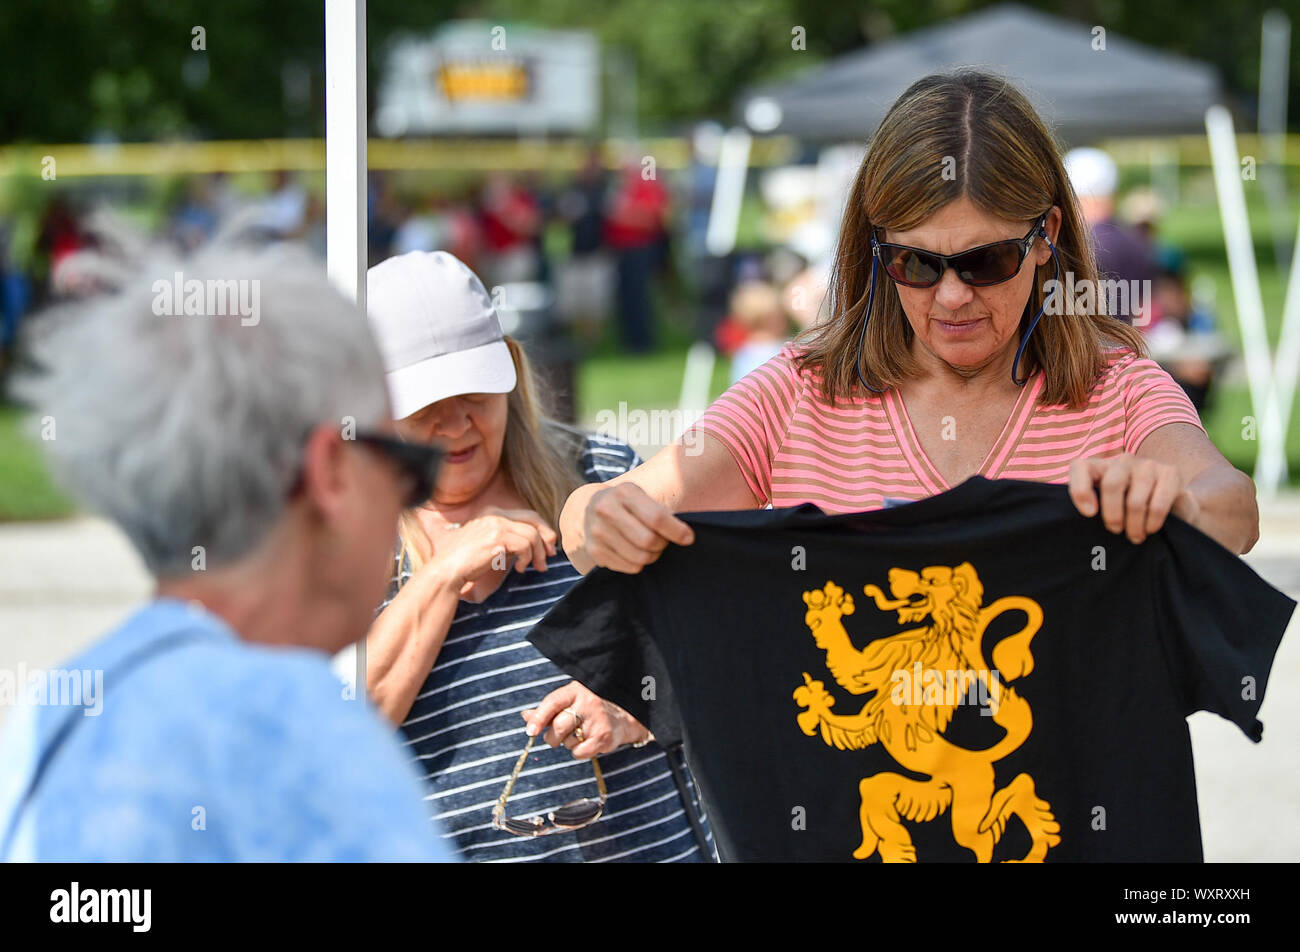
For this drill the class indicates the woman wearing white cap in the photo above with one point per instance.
(477, 565)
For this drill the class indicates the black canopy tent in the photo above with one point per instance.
(1126, 88)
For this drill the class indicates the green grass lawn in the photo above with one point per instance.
(650, 382)
(26, 492)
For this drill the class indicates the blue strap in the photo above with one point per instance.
(1034, 322)
(866, 316)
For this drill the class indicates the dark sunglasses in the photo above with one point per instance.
(979, 267)
(418, 462)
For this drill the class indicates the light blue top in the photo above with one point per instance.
(207, 748)
(749, 357)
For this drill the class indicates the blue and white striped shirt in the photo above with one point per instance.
(465, 733)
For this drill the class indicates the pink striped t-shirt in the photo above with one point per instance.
(792, 447)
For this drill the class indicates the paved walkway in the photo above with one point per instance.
(64, 583)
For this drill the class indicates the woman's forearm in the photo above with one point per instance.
(1226, 508)
(572, 535)
(404, 641)
(701, 475)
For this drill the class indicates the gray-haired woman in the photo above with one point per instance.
(213, 443)
(478, 565)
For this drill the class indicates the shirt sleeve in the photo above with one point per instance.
(752, 418)
(1220, 625)
(1152, 398)
(601, 634)
(603, 458)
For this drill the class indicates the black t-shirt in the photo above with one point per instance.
(981, 675)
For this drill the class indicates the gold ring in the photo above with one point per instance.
(577, 718)
(577, 732)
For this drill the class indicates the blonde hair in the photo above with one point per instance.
(1007, 164)
(539, 457)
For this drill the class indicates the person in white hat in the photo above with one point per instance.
(1093, 173)
(437, 330)
(215, 447)
(477, 565)
(1123, 252)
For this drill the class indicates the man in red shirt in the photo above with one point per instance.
(635, 224)
(511, 220)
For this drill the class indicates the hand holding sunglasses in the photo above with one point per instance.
(572, 816)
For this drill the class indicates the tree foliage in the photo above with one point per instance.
(77, 70)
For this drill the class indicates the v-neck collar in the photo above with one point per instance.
(997, 456)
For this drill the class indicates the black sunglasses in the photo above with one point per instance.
(419, 463)
(979, 267)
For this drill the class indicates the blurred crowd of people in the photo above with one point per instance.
(1180, 326)
(597, 243)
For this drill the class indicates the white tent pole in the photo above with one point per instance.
(728, 193)
(345, 197)
(345, 145)
(1270, 464)
(1274, 69)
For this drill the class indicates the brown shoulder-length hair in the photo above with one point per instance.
(964, 133)
(539, 456)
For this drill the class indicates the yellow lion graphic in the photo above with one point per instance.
(911, 728)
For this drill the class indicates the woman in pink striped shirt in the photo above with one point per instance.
(950, 351)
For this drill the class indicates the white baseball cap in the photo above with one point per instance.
(1092, 172)
(437, 331)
